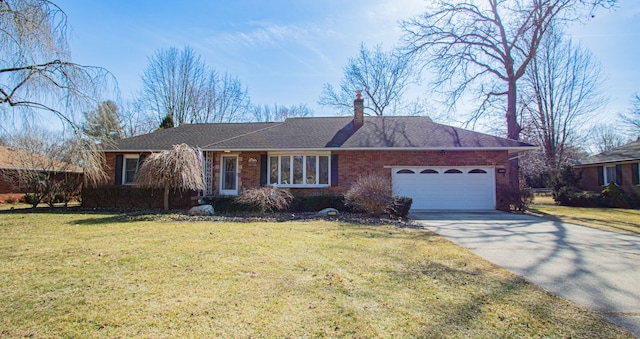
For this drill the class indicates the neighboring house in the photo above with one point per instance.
(13, 161)
(439, 166)
(618, 165)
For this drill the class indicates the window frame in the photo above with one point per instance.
(291, 155)
(124, 168)
(605, 176)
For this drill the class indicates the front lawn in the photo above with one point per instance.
(107, 275)
(612, 219)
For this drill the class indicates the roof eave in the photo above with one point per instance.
(315, 149)
(618, 161)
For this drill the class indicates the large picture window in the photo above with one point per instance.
(299, 170)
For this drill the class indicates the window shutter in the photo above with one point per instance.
(634, 174)
(334, 170)
(263, 170)
(118, 169)
(600, 175)
(141, 160)
(618, 175)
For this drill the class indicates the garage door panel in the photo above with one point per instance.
(442, 190)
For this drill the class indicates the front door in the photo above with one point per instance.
(229, 175)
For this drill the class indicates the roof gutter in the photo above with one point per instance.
(515, 149)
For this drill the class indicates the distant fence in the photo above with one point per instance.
(542, 191)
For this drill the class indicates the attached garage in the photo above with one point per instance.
(447, 188)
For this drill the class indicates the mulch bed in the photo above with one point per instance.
(352, 218)
(240, 217)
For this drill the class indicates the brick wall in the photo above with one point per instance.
(249, 175)
(355, 164)
(9, 182)
(589, 181)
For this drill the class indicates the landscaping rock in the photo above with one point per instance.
(203, 210)
(328, 212)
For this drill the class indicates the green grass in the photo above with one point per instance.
(612, 219)
(104, 275)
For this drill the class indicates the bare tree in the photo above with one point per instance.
(485, 46)
(606, 137)
(136, 120)
(178, 168)
(171, 83)
(222, 99)
(273, 113)
(103, 123)
(631, 119)
(383, 77)
(179, 84)
(37, 74)
(561, 90)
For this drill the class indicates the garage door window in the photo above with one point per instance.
(477, 171)
(405, 171)
(429, 171)
(452, 171)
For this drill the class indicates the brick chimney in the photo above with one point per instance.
(358, 110)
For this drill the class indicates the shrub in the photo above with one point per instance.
(519, 199)
(400, 206)
(31, 198)
(226, 204)
(266, 198)
(565, 186)
(315, 203)
(11, 200)
(372, 193)
(614, 196)
(576, 198)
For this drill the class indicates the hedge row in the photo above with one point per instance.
(299, 204)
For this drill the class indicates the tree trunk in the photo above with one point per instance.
(166, 196)
(513, 132)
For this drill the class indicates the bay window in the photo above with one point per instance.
(299, 170)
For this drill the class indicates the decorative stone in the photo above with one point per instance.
(328, 212)
(202, 210)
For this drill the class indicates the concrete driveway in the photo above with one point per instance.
(597, 269)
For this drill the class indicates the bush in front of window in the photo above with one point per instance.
(267, 198)
(615, 197)
(315, 203)
(373, 194)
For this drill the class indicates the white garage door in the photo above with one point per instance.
(446, 188)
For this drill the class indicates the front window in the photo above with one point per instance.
(299, 170)
(609, 175)
(130, 169)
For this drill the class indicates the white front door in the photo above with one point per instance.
(229, 175)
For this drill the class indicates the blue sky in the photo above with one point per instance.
(285, 50)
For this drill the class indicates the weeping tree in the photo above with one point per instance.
(178, 168)
(39, 80)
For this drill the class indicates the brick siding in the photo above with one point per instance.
(355, 164)
(589, 180)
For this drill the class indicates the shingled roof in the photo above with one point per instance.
(393, 132)
(628, 152)
(18, 159)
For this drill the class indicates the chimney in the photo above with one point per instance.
(358, 110)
